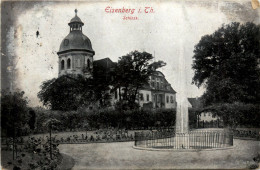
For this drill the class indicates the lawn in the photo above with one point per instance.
(122, 155)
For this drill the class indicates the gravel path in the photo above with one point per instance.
(121, 155)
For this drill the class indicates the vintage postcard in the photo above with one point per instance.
(130, 84)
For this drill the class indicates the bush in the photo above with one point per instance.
(105, 118)
(237, 114)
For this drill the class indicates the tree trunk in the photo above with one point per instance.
(136, 90)
(50, 144)
(120, 98)
(125, 93)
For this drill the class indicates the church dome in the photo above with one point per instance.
(76, 41)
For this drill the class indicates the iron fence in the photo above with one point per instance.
(247, 133)
(191, 140)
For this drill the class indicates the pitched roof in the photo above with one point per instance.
(105, 63)
(160, 74)
(195, 102)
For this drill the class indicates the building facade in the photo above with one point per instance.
(158, 92)
(76, 57)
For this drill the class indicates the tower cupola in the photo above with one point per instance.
(76, 23)
(76, 53)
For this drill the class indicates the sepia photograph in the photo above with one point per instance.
(100, 84)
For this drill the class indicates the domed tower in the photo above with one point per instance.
(76, 53)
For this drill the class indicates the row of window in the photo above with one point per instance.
(148, 98)
(76, 27)
(141, 95)
(63, 64)
(159, 85)
(167, 99)
(207, 114)
(69, 63)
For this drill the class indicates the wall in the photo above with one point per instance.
(145, 93)
(207, 117)
(78, 62)
(170, 104)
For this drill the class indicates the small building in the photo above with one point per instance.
(158, 91)
(205, 119)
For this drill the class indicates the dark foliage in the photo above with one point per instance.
(70, 92)
(32, 119)
(106, 118)
(193, 117)
(237, 114)
(66, 92)
(14, 114)
(226, 62)
(131, 73)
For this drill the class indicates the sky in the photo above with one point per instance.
(169, 33)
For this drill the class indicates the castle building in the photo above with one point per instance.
(76, 57)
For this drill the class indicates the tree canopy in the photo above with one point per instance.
(131, 73)
(69, 92)
(227, 63)
(15, 116)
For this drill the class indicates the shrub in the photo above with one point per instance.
(105, 118)
(237, 114)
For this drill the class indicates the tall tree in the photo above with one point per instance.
(69, 92)
(227, 63)
(14, 113)
(132, 72)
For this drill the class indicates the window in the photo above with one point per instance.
(68, 63)
(78, 62)
(157, 85)
(152, 84)
(88, 63)
(171, 99)
(147, 97)
(116, 94)
(141, 96)
(62, 64)
(167, 99)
